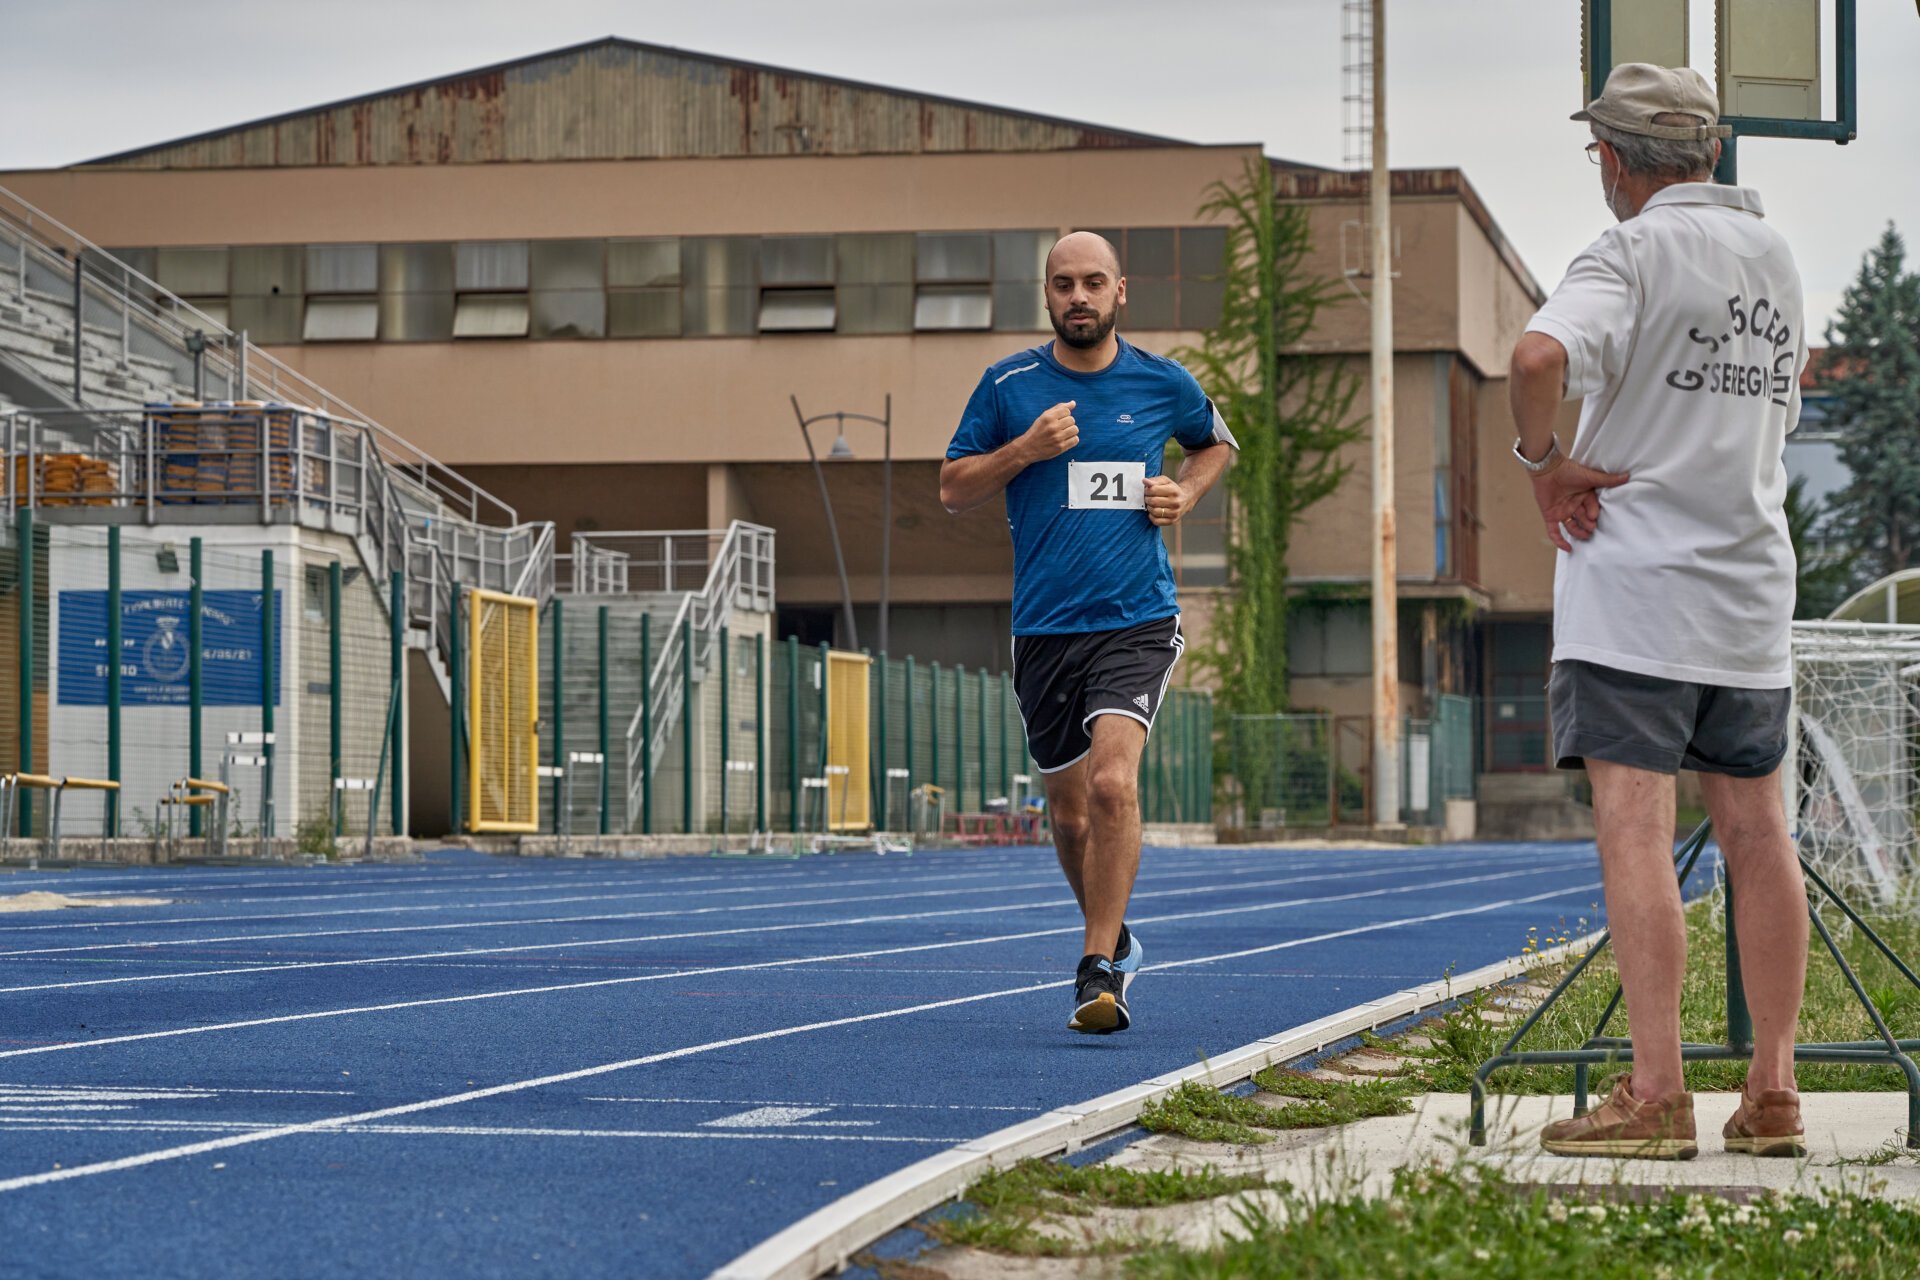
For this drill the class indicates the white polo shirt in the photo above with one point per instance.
(1684, 332)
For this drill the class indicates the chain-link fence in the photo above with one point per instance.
(258, 657)
(735, 738)
(1314, 770)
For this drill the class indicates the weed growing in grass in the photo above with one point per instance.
(1441, 1224)
(1204, 1113)
(1011, 1205)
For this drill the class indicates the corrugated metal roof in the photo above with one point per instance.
(618, 99)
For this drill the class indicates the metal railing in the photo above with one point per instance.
(668, 560)
(206, 355)
(174, 463)
(739, 576)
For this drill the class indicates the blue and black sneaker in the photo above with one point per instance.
(1099, 998)
(1127, 954)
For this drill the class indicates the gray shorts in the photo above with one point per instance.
(1647, 722)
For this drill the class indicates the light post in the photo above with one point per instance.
(843, 452)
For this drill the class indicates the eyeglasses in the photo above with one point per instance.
(1593, 152)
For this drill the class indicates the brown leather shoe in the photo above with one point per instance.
(1627, 1127)
(1767, 1125)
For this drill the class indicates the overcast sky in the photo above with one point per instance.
(1484, 86)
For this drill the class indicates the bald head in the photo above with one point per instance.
(1082, 252)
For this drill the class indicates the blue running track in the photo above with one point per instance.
(497, 1067)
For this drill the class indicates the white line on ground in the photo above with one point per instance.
(1048, 881)
(583, 1073)
(524, 948)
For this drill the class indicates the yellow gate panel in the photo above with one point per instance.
(503, 792)
(848, 801)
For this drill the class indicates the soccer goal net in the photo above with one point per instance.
(1849, 776)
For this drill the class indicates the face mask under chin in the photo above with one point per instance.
(1616, 205)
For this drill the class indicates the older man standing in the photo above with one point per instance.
(1682, 329)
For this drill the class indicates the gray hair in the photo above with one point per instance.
(1668, 158)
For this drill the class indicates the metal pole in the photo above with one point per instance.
(960, 739)
(826, 712)
(759, 732)
(79, 334)
(457, 727)
(195, 672)
(886, 538)
(266, 694)
(1386, 625)
(909, 753)
(23, 524)
(686, 725)
(933, 724)
(885, 787)
(113, 678)
(605, 738)
(833, 530)
(726, 739)
(333, 698)
(646, 724)
(1739, 1019)
(793, 733)
(397, 657)
(1006, 774)
(559, 716)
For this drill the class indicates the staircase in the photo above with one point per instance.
(142, 352)
(685, 583)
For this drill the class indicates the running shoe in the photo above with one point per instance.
(1127, 955)
(1099, 998)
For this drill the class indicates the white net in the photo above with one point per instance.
(1850, 772)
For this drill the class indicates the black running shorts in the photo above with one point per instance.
(1063, 682)
(1649, 722)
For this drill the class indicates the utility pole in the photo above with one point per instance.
(1386, 619)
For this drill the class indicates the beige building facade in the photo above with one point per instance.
(598, 281)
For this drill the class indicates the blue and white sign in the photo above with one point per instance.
(154, 650)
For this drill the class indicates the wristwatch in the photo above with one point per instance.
(1553, 455)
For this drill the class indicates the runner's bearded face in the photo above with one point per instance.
(1083, 298)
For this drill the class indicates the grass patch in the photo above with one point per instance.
(1463, 1039)
(1439, 1225)
(1012, 1205)
(1205, 1114)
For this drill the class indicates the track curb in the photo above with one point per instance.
(825, 1239)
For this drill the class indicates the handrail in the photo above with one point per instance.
(164, 306)
(744, 543)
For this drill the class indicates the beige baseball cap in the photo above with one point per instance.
(1636, 92)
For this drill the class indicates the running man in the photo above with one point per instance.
(1096, 625)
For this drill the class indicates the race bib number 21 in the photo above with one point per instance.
(1107, 486)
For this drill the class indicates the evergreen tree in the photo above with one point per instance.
(1872, 371)
(1825, 576)
(1291, 413)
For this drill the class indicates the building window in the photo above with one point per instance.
(1197, 544)
(1019, 279)
(416, 292)
(719, 285)
(490, 283)
(269, 292)
(1174, 275)
(796, 284)
(1329, 639)
(343, 284)
(197, 276)
(874, 290)
(567, 280)
(643, 288)
(954, 272)
(315, 597)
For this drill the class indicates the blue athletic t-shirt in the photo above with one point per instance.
(1087, 569)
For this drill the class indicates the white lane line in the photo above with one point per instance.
(483, 1131)
(669, 1055)
(1047, 881)
(479, 906)
(785, 963)
(870, 1106)
(523, 948)
(1247, 865)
